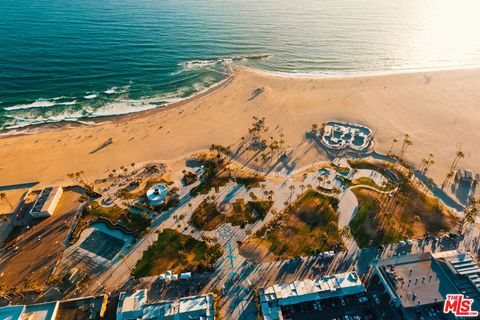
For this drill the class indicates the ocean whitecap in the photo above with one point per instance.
(40, 103)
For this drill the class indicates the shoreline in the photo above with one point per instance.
(231, 71)
(100, 120)
(363, 74)
(436, 109)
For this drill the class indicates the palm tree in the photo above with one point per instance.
(182, 218)
(292, 190)
(391, 147)
(3, 196)
(406, 143)
(320, 180)
(447, 179)
(471, 211)
(459, 155)
(345, 232)
(429, 164)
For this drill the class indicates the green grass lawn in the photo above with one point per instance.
(207, 217)
(310, 225)
(214, 176)
(177, 252)
(365, 181)
(381, 219)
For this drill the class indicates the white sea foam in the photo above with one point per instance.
(206, 63)
(90, 96)
(22, 121)
(122, 107)
(118, 107)
(67, 103)
(40, 103)
(111, 90)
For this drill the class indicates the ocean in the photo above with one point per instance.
(72, 60)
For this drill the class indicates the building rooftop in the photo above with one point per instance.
(42, 311)
(196, 307)
(131, 304)
(465, 271)
(82, 308)
(47, 200)
(11, 312)
(271, 298)
(305, 290)
(415, 280)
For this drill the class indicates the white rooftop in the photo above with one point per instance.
(344, 282)
(307, 290)
(131, 304)
(134, 306)
(196, 307)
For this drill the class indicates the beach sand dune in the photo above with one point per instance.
(439, 110)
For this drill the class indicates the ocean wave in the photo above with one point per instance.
(22, 122)
(111, 90)
(122, 107)
(19, 121)
(67, 103)
(40, 103)
(91, 96)
(209, 62)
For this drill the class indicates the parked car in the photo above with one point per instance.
(363, 299)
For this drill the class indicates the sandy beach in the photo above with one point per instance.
(440, 110)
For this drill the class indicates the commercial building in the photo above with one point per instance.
(134, 305)
(46, 202)
(278, 296)
(419, 282)
(12, 312)
(131, 304)
(75, 309)
(464, 272)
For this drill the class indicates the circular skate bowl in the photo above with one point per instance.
(156, 194)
